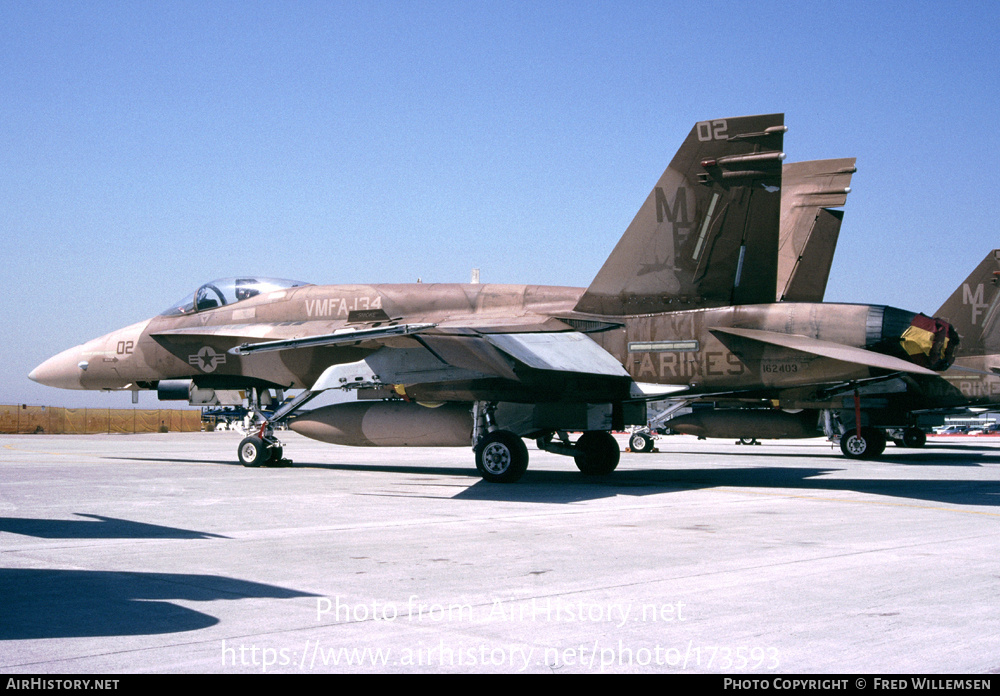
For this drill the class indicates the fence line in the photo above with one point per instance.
(23, 419)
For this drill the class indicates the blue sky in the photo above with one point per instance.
(148, 147)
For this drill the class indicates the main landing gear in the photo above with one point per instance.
(868, 442)
(502, 457)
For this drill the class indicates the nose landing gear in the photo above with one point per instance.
(257, 451)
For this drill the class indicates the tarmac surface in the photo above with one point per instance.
(158, 553)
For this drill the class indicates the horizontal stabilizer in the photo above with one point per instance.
(823, 349)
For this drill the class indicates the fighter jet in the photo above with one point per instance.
(684, 304)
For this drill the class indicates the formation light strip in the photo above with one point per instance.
(663, 346)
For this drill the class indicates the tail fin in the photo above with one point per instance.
(809, 229)
(707, 234)
(974, 307)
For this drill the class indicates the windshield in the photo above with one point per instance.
(227, 291)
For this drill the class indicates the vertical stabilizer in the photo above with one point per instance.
(809, 229)
(972, 309)
(707, 234)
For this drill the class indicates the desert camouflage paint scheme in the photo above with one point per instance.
(972, 309)
(900, 409)
(684, 304)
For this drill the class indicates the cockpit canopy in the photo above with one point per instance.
(227, 291)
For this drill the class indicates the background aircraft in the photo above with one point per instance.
(684, 304)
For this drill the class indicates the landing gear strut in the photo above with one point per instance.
(263, 448)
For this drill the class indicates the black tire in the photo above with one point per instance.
(598, 453)
(501, 457)
(914, 437)
(253, 452)
(869, 445)
(640, 442)
(878, 440)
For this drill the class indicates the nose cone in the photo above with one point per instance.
(63, 371)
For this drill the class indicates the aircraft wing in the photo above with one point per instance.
(738, 340)
(522, 341)
(459, 359)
